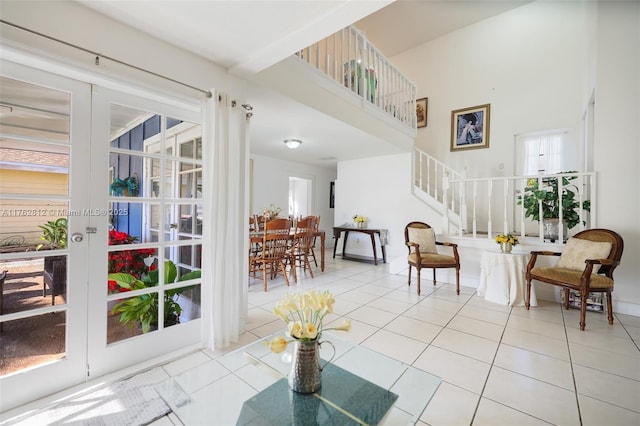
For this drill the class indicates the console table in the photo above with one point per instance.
(502, 278)
(382, 235)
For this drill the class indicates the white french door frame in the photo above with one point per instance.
(87, 355)
(103, 358)
(26, 385)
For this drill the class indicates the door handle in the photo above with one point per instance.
(77, 237)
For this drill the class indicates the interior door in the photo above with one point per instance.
(147, 194)
(44, 175)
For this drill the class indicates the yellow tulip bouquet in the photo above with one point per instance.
(303, 313)
(507, 238)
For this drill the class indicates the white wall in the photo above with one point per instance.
(532, 66)
(526, 63)
(379, 188)
(617, 143)
(271, 186)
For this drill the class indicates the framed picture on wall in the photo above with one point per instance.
(470, 128)
(421, 111)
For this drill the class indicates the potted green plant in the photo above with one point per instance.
(547, 195)
(127, 186)
(143, 309)
(54, 232)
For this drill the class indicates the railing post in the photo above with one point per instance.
(505, 223)
(421, 185)
(464, 215)
(489, 219)
(445, 223)
(540, 215)
(475, 202)
(560, 182)
(521, 195)
(593, 197)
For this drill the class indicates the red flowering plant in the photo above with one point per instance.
(127, 261)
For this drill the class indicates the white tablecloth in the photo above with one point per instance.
(502, 278)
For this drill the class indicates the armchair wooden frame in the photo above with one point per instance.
(435, 261)
(582, 281)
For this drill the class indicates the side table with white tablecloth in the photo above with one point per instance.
(502, 278)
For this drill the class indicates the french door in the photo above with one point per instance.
(118, 178)
(44, 182)
(144, 296)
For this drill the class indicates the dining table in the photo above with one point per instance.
(255, 237)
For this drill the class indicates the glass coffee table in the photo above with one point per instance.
(249, 386)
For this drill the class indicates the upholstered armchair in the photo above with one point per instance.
(420, 239)
(586, 265)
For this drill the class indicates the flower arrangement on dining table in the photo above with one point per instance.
(507, 238)
(304, 315)
(271, 212)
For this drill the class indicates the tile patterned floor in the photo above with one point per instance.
(499, 365)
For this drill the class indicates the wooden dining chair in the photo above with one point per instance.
(274, 255)
(315, 237)
(300, 250)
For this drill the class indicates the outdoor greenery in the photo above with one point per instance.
(54, 232)
(547, 194)
(144, 309)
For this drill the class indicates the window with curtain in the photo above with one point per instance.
(544, 152)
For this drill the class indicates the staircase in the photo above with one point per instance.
(471, 209)
(432, 186)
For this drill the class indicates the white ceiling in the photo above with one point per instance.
(248, 36)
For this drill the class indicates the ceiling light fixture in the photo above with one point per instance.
(292, 143)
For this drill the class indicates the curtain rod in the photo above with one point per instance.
(98, 55)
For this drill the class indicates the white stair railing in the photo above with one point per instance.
(504, 201)
(432, 179)
(350, 59)
(484, 207)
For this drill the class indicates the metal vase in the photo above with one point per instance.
(305, 375)
(306, 372)
(505, 247)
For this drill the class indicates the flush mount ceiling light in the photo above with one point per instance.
(292, 143)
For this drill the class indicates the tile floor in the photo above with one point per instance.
(499, 365)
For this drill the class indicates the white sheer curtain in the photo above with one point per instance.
(545, 153)
(226, 153)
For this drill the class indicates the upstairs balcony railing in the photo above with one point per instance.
(352, 61)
